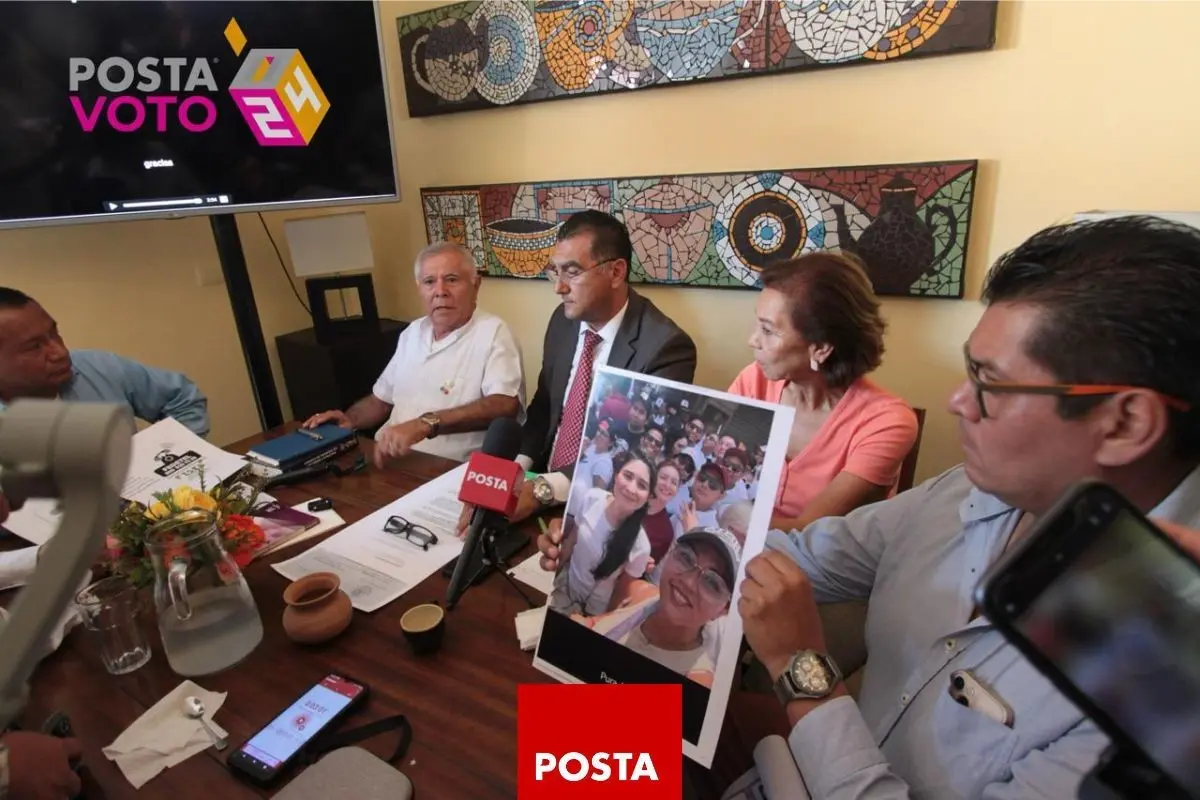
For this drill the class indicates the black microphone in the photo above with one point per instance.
(502, 441)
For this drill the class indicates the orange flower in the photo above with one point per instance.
(243, 537)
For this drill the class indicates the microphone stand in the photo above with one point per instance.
(492, 559)
(489, 559)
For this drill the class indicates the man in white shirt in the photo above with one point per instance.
(454, 371)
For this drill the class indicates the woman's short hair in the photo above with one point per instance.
(831, 301)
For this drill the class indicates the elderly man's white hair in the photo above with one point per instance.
(437, 248)
(736, 516)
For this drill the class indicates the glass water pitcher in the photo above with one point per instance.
(206, 613)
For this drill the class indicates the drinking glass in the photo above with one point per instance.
(109, 608)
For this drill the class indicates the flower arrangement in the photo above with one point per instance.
(127, 554)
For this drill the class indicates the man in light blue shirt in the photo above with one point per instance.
(1085, 364)
(34, 362)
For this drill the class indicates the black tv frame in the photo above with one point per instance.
(232, 257)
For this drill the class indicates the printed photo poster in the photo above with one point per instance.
(671, 495)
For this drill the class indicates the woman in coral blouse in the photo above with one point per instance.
(818, 334)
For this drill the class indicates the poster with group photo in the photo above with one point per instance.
(671, 495)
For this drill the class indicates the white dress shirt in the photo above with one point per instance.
(608, 335)
(17, 567)
(479, 359)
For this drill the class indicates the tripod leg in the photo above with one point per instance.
(490, 557)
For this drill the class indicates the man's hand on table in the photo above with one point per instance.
(39, 766)
(527, 506)
(328, 416)
(396, 441)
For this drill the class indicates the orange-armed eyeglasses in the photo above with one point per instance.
(1055, 389)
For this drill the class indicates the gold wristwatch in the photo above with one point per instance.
(433, 421)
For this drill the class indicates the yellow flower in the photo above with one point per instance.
(204, 501)
(186, 498)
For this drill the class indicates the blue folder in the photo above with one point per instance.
(300, 445)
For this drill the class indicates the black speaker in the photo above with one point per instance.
(333, 374)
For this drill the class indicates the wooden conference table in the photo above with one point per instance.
(461, 701)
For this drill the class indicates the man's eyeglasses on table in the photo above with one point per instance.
(983, 387)
(419, 535)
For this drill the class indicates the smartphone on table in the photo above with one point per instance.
(1107, 607)
(271, 751)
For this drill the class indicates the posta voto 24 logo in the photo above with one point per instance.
(274, 88)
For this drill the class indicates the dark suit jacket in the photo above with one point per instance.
(648, 342)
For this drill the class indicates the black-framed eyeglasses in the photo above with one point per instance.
(572, 272)
(419, 535)
(983, 387)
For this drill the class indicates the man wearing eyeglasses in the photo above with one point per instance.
(600, 321)
(1084, 365)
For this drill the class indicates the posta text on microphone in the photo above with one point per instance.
(492, 483)
(599, 741)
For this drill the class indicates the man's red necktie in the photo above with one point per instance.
(570, 427)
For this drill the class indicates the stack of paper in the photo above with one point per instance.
(529, 627)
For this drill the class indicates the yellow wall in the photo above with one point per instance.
(1081, 105)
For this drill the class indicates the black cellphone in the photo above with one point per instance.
(272, 750)
(1106, 606)
(320, 504)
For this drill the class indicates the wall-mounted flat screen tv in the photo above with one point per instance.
(115, 110)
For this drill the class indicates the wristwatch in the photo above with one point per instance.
(433, 421)
(809, 676)
(543, 492)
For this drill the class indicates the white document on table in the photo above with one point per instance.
(530, 573)
(167, 454)
(164, 455)
(36, 521)
(376, 567)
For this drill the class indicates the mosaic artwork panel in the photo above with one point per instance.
(474, 55)
(909, 223)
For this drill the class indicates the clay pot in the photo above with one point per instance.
(317, 609)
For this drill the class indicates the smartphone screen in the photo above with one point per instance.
(283, 737)
(1120, 622)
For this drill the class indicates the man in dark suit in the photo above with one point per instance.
(601, 320)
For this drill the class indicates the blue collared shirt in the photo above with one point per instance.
(151, 394)
(918, 558)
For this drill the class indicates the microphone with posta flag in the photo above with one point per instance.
(492, 485)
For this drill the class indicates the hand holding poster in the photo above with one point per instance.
(670, 497)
